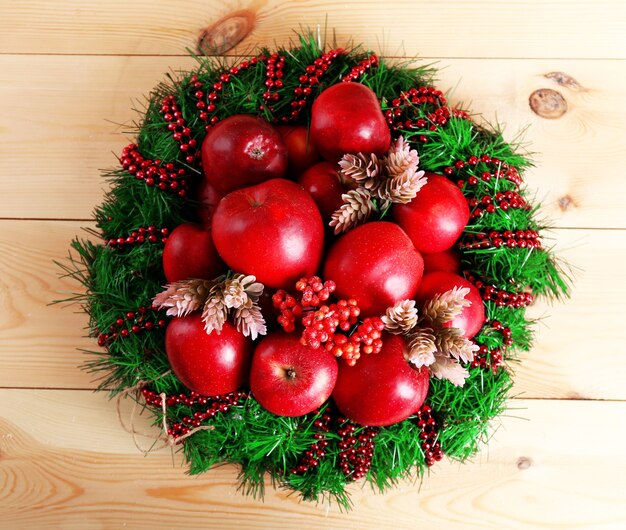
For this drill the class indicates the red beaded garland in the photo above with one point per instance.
(429, 435)
(164, 176)
(316, 450)
(360, 69)
(133, 322)
(399, 115)
(501, 170)
(501, 297)
(216, 404)
(180, 131)
(487, 359)
(309, 79)
(149, 234)
(356, 449)
(497, 239)
(206, 102)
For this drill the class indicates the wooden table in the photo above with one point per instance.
(71, 70)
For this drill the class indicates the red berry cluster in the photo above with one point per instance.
(500, 297)
(323, 323)
(180, 132)
(360, 69)
(408, 101)
(216, 404)
(502, 201)
(502, 170)
(273, 78)
(151, 234)
(317, 449)
(487, 359)
(134, 322)
(506, 332)
(428, 437)
(508, 238)
(309, 79)
(207, 106)
(356, 450)
(152, 172)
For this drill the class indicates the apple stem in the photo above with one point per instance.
(291, 373)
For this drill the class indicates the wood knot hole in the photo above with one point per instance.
(566, 202)
(523, 462)
(226, 33)
(564, 80)
(548, 103)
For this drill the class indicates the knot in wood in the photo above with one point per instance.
(548, 103)
(227, 32)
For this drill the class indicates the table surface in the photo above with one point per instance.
(72, 70)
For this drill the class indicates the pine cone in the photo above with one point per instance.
(215, 312)
(365, 170)
(422, 348)
(183, 297)
(401, 158)
(446, 368)
(402, 188)
(241, 291)
(446, 306)
(400, 318)
(250, 321)
(450, 341)
(356, 209)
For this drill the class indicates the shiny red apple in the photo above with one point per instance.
(290, 379)
(242, 150)
(323, 184)
(210, 364)
(347, 118)
(273, 231)
(472, 318)
(301, 151)
(190, 253)
(382, 388)
(436, 217)
(376, 264)
(447, 261)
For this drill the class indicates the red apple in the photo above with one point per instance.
(347, 118)
(273, 231)
(190, 253)
(376, 264)
(472, 317)
(448, 261)
(242, 150)
(290, 379)
(208, 198)
(382, 388)
(301, 151)
(323, 184)
(436, 217)
(210, 364)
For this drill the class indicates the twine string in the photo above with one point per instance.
(164, 437)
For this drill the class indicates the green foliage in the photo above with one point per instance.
(118, 281)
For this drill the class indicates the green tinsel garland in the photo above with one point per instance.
(118, 281)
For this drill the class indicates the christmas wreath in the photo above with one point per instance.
(314, 268)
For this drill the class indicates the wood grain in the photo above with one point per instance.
(38, 346)
(72, 105)
(66, 463)
(446, 28)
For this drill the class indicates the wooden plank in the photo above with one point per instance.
(66, 462)
(570, 359)
(38, 341)
(446, 28)
(61, 128)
